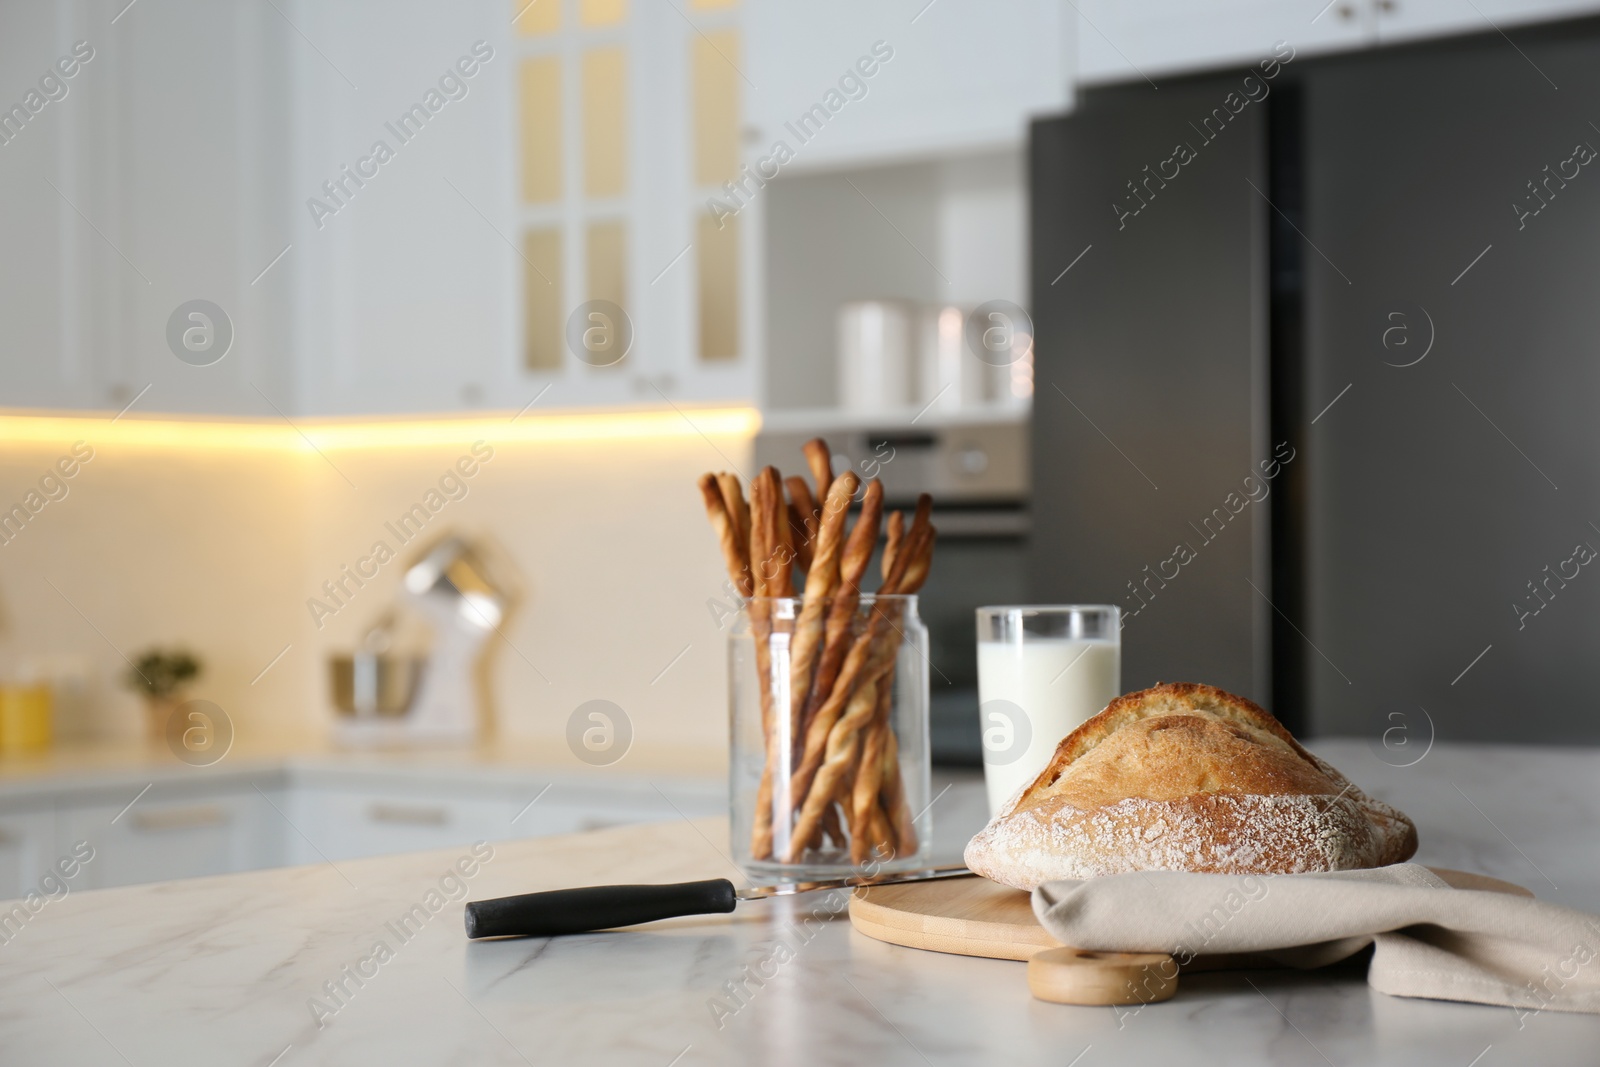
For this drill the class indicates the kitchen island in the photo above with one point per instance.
(364, 961)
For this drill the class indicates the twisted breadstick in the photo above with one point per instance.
(905, 577)
(894, 799)
(804, 521)
(922, 555)
(821, 581)
(891, 544)
(733, 556)
(841, 613)
(739, 517)
(777, 565)
(869, 778)
(770, 575)
(820, 460)
(842, 745)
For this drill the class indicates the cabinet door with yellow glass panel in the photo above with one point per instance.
(626, 113)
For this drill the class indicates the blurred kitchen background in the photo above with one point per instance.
(1307, 290)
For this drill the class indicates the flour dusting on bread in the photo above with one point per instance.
(1186, 777)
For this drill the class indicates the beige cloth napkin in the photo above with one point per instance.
(1431, 940)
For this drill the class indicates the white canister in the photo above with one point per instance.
(949, 377)
(875, 355)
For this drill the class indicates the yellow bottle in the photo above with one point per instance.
(25, 714)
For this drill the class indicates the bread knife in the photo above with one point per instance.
(605, 907)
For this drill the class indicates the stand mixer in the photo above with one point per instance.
(452, 590)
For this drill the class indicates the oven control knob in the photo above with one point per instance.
(972, 460)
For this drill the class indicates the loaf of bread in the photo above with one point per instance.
(1186, 777)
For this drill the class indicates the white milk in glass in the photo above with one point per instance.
(1057, 683)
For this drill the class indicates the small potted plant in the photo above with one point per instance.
(162, 677)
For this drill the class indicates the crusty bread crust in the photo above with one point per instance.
(1186, 777)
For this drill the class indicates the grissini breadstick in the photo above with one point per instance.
(799, 538)
(841, 614)
(762, 538)
(738, 510)
(733, 556)
(820, 460)
(880, 836)
(876, 830)
(848, 812)
(804, 520)
(891, 545)
(869, 778)
(924, 511)
(730, 517)
(776, 577)
(821, 581)
(917, 571)
(865, 663)
(842, 747)
(899, 823)
(906, 573)
(894, 799)
(777, 563)
(832, 827)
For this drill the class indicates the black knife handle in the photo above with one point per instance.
(600, 907)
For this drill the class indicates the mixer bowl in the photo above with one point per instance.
(367, 684)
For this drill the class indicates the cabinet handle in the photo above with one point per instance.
(408, 816)
(179, 818)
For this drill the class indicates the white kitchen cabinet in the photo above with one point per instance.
(1146, 40)
(27, 850)
(578, 807)
(337, 824)
(351, 820)
(148, 184)
(1399, 21)
(45, 360)
(401, 279)
(949, 76)
(173, 831)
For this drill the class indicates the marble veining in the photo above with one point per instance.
(223, 970)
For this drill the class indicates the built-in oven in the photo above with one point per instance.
(977, 472)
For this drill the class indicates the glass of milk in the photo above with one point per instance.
(1043, 670)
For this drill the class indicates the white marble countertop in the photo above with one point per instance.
(224, 970)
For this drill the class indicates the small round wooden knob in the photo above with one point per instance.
(1078, 976)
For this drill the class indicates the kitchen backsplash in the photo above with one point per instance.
(243, 553)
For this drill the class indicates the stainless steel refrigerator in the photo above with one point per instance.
(1316, 378)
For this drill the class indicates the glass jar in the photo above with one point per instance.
(25, 713)
(829, 721)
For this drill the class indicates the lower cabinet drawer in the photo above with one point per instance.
(27, 851)
(335, 824)
(160, 838)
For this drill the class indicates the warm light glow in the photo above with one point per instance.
(343, 435)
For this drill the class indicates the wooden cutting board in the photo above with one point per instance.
(977, 917)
